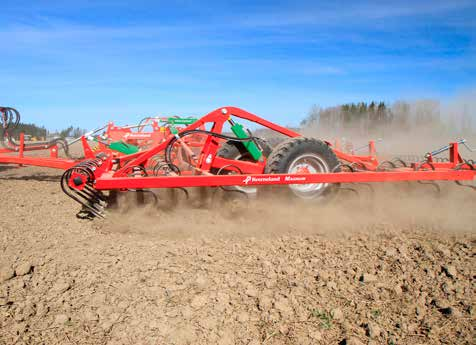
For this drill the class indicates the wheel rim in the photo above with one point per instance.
(310, 163)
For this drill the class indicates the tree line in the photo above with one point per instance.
(29, 129)
(42, 133)
(366, 118)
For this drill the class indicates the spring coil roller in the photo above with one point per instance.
(10, 118)
(93, 201)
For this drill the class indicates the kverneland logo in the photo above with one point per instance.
(138, 135)
(253, 179)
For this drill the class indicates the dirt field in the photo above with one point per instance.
(396, 269)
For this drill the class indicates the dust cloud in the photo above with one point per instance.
(417, 127)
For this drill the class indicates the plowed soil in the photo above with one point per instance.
(397, 267)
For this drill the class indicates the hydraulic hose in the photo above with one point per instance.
(168, 149)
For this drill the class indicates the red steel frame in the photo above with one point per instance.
(253, 173)
(141, 138)
(22, 147)
(217, 119)
(107, 182)
(53, 161)
(113, 133)
(138, 138)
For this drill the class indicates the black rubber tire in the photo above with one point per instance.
(283, 155)
(232, 149)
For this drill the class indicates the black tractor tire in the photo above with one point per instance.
(236, 150)
(315, 154)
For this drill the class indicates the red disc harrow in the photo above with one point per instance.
(217, 151)
(239, 161)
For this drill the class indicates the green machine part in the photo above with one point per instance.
(241, 133)
(173, 121)
(181, 121)
(123, 147)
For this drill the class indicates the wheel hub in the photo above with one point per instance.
(308, 164)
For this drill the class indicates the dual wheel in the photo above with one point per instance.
(295, 155)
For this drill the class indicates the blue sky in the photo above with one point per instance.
(85, 63)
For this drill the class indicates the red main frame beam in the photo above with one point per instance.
(55, 163)
(106, 181)
(48, 162)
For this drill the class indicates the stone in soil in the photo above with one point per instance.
(23, 269)
(198, 301)
(351, 341)
(373, 330)
(61, 319)
(337, 314)
(368, 278)
(61, 287)
(450, 271)
(6, 273)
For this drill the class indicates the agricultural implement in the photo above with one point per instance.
(110, 139)
(148, 132)
(13, 152)
(227, 155)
